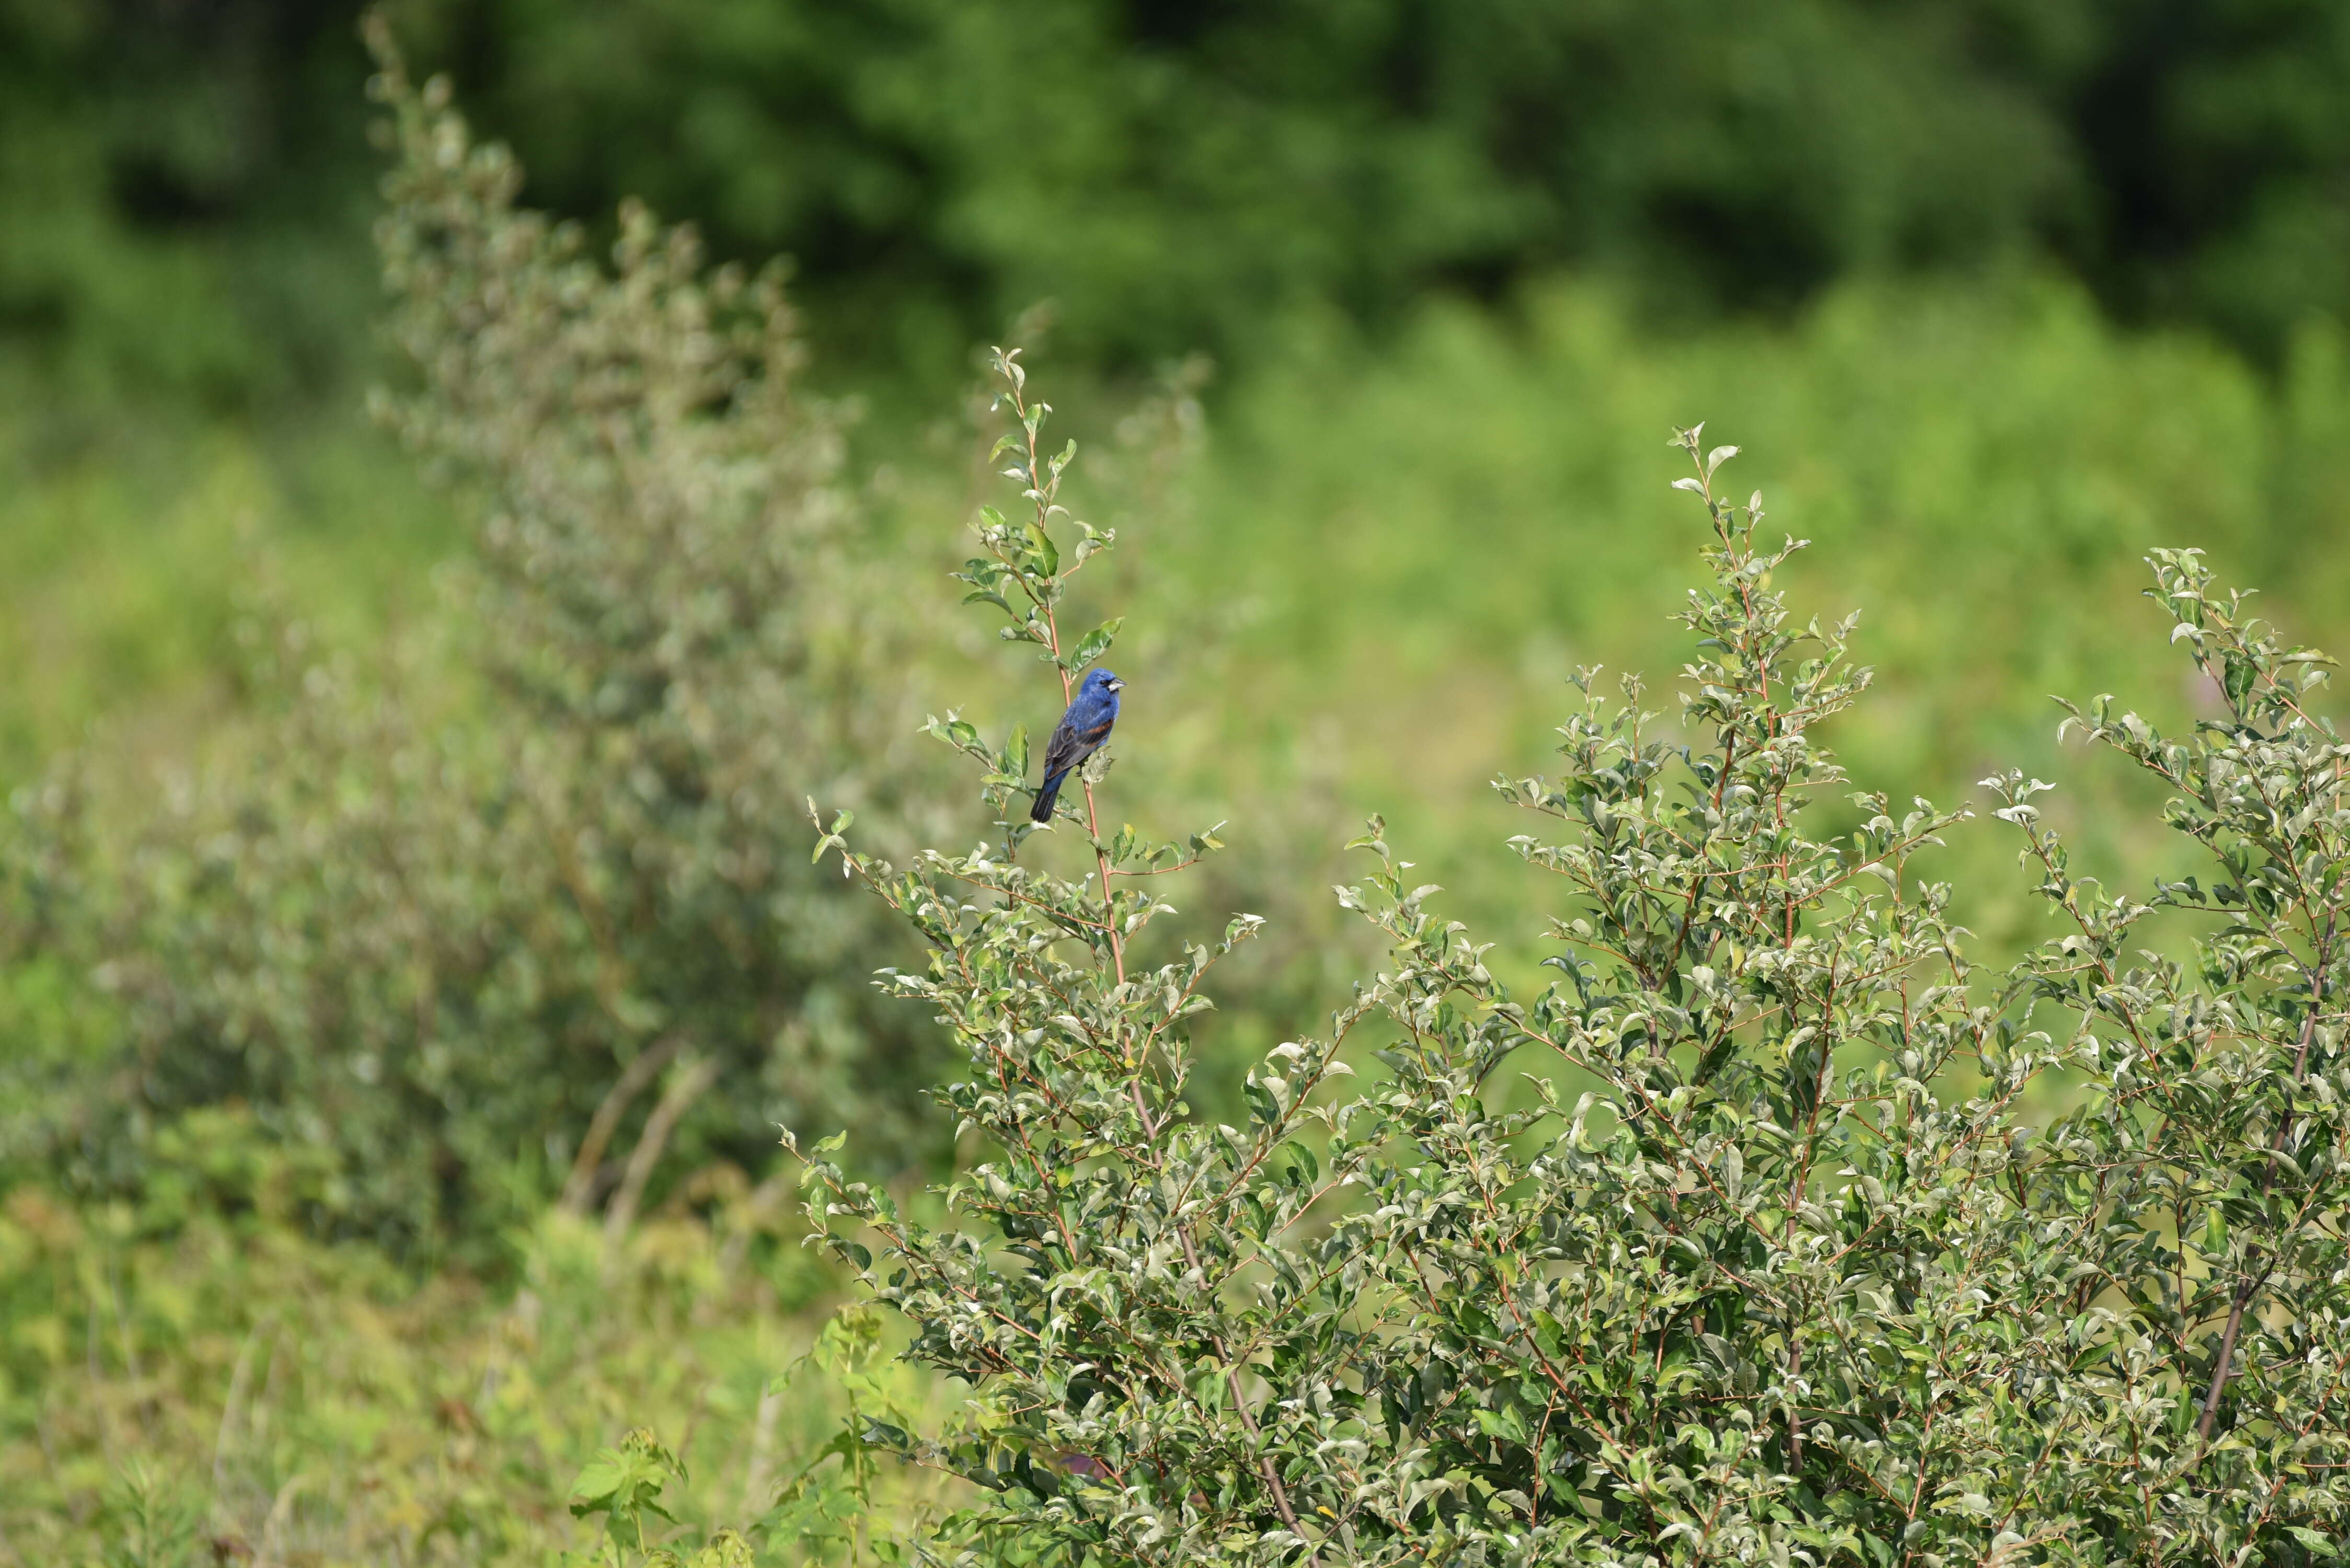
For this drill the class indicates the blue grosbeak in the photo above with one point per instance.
(1079, 735)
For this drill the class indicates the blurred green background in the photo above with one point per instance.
(2011, 289)
(2014, 287)
(1995, 294)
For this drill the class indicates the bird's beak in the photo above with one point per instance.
(1117, 685)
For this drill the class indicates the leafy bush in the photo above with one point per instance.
(1739, 1243)
(450, 919)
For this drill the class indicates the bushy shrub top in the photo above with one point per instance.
(1751, 1238)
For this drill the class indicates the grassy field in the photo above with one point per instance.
(1364, 594)
(222, 1389)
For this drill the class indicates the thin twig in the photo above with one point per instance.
(622, 1213)
(578, 1188)
(2223, 1366)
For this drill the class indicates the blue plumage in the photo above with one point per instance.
(1079, 734)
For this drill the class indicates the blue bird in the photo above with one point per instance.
(1079, 735)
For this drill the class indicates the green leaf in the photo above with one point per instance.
(2237, 677)
(1049, 555)
(1093, 645)
(625, 1481)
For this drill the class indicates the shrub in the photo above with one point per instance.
(1742, 1241)
(450, 919)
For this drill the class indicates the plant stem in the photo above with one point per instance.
(2224, 1365)
(1068, 688)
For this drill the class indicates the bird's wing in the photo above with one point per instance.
(1071, 745)
(1062, 752)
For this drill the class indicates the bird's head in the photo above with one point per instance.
(1103, 681)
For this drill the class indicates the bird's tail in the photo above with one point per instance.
(1043, 810)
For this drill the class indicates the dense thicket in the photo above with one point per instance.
(1177, 176)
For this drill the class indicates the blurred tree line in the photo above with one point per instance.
(183, 183)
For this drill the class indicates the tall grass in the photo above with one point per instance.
(221, 1388)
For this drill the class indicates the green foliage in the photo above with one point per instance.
(624, 1485)
(1188, 175)
(149, 1528)
(176, 221)
(677, 618)
(1437, 531)
(820, 1513)
(1185, 176)
(1774, 1229)
(176, 188)
(192, 1386)
(1431, 536)
(1740, 1241)
(448, 920)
